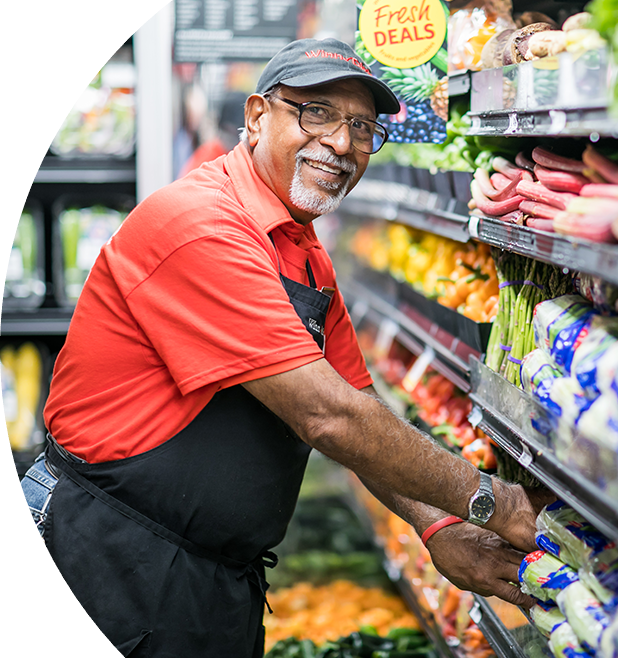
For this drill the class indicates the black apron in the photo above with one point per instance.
(166, 550)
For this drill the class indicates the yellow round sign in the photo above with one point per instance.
(402, 33)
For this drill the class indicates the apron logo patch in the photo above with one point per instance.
(315, 326)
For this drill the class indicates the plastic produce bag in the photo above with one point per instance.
(607, 371)
(544, 576)
(603, 295)
(93, 106)
(83, 232)
(25, 281)
(21, 101)
(608, 646)
(68, 10)
(602, 334)
(563, 643)
(113, 10)
(26, 8)
(537, 372)
(546, 617)
(584, 613)
(558, 325)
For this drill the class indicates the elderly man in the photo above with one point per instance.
(209, 352)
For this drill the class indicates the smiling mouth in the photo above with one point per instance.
(329, 169)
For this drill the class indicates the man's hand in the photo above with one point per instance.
(478, 560)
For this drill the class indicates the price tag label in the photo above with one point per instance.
(418, 369)
(476, 614)
(473, 226)
(475, 417)
(525, 459)
(384, 340)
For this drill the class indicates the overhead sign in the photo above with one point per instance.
(214, 30)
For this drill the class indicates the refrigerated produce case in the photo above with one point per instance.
(409, 338)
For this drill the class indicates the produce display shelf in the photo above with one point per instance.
(407, 330)
(516, 434)
(44, 27)
(39, 322)
(565, 122)
(428, 211)
(404, 587)
(592, 258)
(86, 170)
(522, 642)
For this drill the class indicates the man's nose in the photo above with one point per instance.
(340, 141)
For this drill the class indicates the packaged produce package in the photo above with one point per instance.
(544, 576)
(608, 646)
(558, 327)
(563, 643)
(68, 10)
(607, 371)
(22, 379)
(113, 10)
(594, 347)
(537, 372)
(603, 295)
(546, 617)
(564, 533)
(597, 433)
(22, 101)
(22, 264)
(22, 8)
(584, 613)
(93, 106)
(81, 230)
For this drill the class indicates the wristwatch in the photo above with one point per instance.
(483, 502)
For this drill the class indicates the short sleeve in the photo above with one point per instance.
(216, 308)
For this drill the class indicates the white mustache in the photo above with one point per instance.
(327, 158)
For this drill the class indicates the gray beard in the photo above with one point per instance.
(304, 199)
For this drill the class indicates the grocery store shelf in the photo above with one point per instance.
(86, 170)
(524, 641)
(518, 436)
(47, 28)
(563, 251)
(39, 322)
(567, 122)
(410, 329)
(414, 207)
(458, 83)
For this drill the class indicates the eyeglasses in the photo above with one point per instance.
(322, 120)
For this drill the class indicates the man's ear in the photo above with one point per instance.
(255, 108)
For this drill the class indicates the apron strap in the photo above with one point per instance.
(54, 453)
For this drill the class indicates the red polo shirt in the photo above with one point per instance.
(185, 300)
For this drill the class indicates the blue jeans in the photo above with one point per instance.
(18, 581)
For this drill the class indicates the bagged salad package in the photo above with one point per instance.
(22, 263)
(22, 101)
(564, 533)
(546, 617)
(544, 576)
(82, 229)
(564, 643)
(584, 613)
(68, 10)
(602, 334)
(608, 647)
(93, 106)
(22, 8)
(558, 327)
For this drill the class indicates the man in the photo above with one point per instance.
(209, 352)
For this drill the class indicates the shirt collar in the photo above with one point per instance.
(261, 202)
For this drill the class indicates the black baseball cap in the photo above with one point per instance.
(310, 62)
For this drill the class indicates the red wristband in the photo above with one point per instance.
(438, 525)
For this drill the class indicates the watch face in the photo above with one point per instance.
(482, 507)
